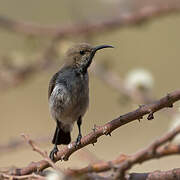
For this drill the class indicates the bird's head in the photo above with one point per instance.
(80, 56)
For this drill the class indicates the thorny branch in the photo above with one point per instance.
(38, 150)
(124, 162)
(154, 150)
(163, 151)
(158, 149)
(106, 129)
(173, 174)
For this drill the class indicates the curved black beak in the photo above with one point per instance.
(101, 47)
(94, 50)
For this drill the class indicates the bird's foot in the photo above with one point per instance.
(53, 152)
(78, 140)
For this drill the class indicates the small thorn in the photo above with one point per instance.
(94, 128)
(168, 96)
(169, 99)
(150, 116)
(108, 134)
(139, 119)
(94, 141)
(65, 158)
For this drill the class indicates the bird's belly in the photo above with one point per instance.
(74, 110)
(71, 110)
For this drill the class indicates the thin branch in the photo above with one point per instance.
(16, 143)
(98, 167)
(125, 162)
(30, 176)
(106, 129)
(113, 80)
(124, 19)
(11, 76)
(173, 174)
(38, 150)
(150, 152)
(17, 76)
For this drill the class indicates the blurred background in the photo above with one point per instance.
(145, 60)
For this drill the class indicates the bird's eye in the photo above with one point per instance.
(82, 52)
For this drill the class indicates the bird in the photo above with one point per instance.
(68, 93)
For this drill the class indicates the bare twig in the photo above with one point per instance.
(106, 129)
(154, 150)
(42, 153)
(30, 176)
(114, 81)
(98, 167)
(11, 76)
(166, 150)
(124, 19)
(17, 143)
(156, 175)
(17, 76)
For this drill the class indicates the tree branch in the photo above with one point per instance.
(106, 129)
(156, 175)
(42, 153)
(17, 76)
(168, 150)
(17, 143)
(154, 150)
(124, 19)
(30, 176)
(113, 80)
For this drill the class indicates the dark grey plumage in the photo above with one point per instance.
(68, 93)
(69, 97)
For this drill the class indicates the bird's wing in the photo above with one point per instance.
(52, 84)
(58, 91)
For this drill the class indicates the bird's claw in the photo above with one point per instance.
(78, 140)
(53, 152)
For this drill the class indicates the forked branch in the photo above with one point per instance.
(106, 129)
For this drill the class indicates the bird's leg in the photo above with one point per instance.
(55, 149)
(78, 140)
(53, 152)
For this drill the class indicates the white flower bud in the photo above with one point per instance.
(139, 79)
(54, 175)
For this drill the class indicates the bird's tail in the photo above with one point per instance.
(61, 137)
